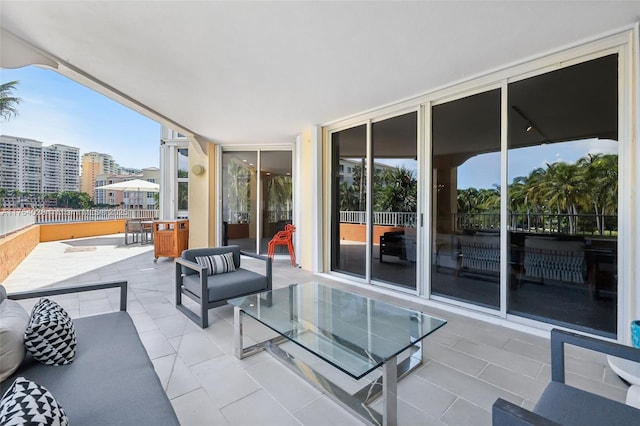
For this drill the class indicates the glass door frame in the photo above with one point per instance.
(389, 113)
(430, 231)
(219, 190)
(622, 43)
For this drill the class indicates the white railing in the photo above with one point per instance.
(379, 218)
(15, 220)
(91, 215)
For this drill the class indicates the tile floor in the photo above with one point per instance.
(471, 362)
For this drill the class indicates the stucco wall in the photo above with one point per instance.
(202, 198)
(15, 247)
(305, 227)
(67, 231)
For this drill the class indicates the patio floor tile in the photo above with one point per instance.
(470, 362)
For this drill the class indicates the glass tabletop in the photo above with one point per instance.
(354, 333)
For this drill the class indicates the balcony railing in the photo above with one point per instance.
(17, 219)
(91, 215)
(380, 218)
(582, 224)
(548, 223)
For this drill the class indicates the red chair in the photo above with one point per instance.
(283, 238)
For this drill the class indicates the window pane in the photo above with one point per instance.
(183, 163)
(183, 195)
(239, 198)
(277, 192)
(466, 199)
(395, 200)
(563, 174)
(349, 148)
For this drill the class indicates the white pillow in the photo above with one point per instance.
(13, 322)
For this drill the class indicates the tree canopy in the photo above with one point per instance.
(8, 102)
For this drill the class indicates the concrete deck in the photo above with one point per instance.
(470, 362)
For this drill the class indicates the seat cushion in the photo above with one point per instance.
(112, 380)
(227, 286)
(569, 406)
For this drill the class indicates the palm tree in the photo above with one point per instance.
(601, 193)
(8, 103)
(3, 193)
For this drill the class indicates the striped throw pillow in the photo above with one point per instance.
(217, 263)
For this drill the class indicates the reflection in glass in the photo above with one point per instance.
(395, 200)
(182, 201)
(466, 212)
(277, 192)
(239, 198)
(183, 195)
(348, 215)
(183, 163)
(563, 180)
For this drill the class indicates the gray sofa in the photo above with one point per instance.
(561, 404)
(193, 281)
(112, 380)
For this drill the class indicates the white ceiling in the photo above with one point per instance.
(261, 72)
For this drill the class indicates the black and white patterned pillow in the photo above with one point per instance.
(217, 263)
(50, 336)
(27, 403)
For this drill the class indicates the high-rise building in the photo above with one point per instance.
(28, 168)
(60, 168)
(99, 167)
(93, 165)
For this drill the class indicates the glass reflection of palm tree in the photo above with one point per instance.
(238, 191)
(279, 196)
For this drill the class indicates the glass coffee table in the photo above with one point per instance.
(353, 333)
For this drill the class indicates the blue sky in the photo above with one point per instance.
(483, 171)
(56, 110)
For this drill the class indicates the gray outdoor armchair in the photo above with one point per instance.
(195, 280)
(562, 404)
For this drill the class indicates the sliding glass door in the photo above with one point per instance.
(395, 200)
(465, 264)
(257, 197)
(375, 201)
(563, 192)
(349, 206)
(561, 225)
(521, 209)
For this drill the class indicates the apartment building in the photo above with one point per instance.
(29, 168)
(93, 165)
(97, 168)
(127, 199)
(60, 168)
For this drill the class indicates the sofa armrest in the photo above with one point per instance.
(504, 413)
(268, 266)
(560, 337)
(31, 294)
